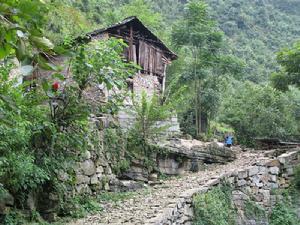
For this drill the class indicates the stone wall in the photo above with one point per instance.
(92, 172)
(258, 181)
(177, 156)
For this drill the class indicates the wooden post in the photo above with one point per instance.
(164, 79)
(130, 53)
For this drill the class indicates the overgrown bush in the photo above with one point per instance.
(115, 144)
(214, 207)
(47, 126)
(283, 214)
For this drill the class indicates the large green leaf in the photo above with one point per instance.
(42, 42)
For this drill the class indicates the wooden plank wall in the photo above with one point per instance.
(151, 59)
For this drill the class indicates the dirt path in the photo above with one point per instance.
(145, 205)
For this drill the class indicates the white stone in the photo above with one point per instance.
(262, 170)
(253, 171)
(255, 180)
(241, 183)
(290, 171)
(106, 187)
(273, 178)
(274, 170)
(273, 185)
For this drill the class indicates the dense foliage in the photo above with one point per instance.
(214, 207)
(227, 51)
(259, 111)
(289, 59)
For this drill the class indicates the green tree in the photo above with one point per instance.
(200, 39)
(149, 126)
(258, 111)
(289, 59)
(145, 13)
(65, 22)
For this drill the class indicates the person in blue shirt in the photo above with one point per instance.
(228, 140)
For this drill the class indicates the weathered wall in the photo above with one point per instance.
(258, 181)
(147, 83)
(92, 172)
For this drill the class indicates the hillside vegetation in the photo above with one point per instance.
(237, 72)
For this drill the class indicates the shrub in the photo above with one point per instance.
(148, 113)
(214, 207)
(283, 214)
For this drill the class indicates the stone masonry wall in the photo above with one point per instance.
(92, 172)
(258, 181)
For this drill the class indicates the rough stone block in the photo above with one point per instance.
(230, 180)
(290, 171)
(99, 169)
(265, 178)
(107, 170)
(63, 176)
(287, 157)
(82, 179)
(88, 167)
(255, 180)
(274, 170)
(273, 185)
(273, 178)
(273, 163)
(253, 171)
(241, 183)
(95, 179)
(242, 174)
(106, 187)
(262, 170)
(83, 188)
(87, 155)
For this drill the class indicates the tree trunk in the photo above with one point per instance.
(196, 109)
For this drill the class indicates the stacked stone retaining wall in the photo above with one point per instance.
(258, 181)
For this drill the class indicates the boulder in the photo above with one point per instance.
(170, 165)
(274, 170)
(208, 152)
(88, 167)
(6, 200)
(82, 179)
(138, 173)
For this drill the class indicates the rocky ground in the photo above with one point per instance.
(149, 203)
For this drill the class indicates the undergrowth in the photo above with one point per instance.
(214, 207)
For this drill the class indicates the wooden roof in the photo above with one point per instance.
(145, 34)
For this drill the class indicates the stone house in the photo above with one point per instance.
(144, 48)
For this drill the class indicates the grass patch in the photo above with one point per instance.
(80, 206)
(115, 196)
